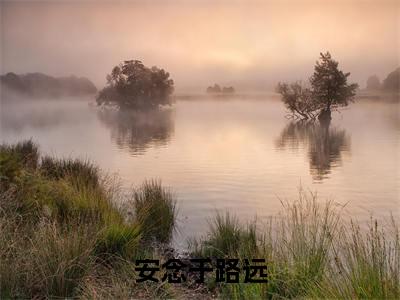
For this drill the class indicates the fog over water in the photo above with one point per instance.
(235, 155)
(249, 44)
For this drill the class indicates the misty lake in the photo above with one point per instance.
(238, 155)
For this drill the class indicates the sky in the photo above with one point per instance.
(249, 44)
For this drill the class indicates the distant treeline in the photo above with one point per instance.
(41, 85)
(390, 84)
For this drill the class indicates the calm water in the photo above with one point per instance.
(241, 156)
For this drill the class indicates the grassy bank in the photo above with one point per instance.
(62, 234)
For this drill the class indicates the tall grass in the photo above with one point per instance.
(366, 263)
(310, 252)
(57, 261)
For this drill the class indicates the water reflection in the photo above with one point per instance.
(325, 145)
(138, 131)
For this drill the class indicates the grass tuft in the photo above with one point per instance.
(228, 238)
(119, 240)
(155, 211)
(14, 159)
(78, 171)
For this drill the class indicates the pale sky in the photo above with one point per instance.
(252, 44)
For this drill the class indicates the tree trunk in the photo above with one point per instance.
(325, 117)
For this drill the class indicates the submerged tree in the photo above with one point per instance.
(328, 90)
(329, 86)
(133, 85)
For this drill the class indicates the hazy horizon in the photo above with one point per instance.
(251, 45)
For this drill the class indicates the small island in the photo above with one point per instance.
(132, 85)
(216, 89)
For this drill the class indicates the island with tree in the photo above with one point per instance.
(132, 85)
(327, 90)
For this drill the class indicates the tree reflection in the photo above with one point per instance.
(324, 145)
(138, 130)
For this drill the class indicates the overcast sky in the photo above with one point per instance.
(252, 44)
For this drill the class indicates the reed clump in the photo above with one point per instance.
(155, 211)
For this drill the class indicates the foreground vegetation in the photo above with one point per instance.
(310, 253)
(63, 235)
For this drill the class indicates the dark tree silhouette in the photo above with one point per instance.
(133, 85)
(328, 90)
(329, 86)
(214, 89)
(228, 90)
